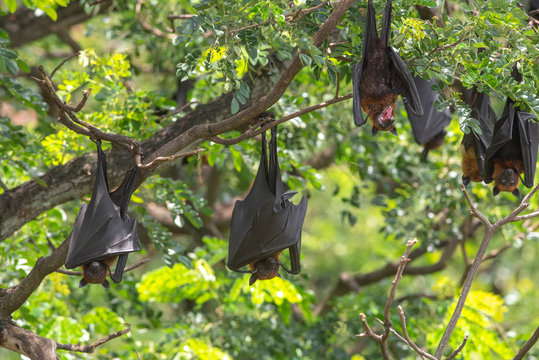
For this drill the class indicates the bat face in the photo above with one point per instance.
(506, 176)
(265, 269)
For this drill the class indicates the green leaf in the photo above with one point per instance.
(50, 12)
(23, 66)
(11, 5)
(12, 67)
(234, 106)
(236, 158)
(305, 59)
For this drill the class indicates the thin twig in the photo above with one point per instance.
(146, 26)
(169, 158)
(62, 63)
(474, 210)
(458, 350)
(90, 348)
(398, 276)
(528, 345)
(407, 338)
(181, 16)
(252, 133)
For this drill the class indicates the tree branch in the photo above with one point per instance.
(25, 342)
(91, 348)
(14, 297)
(528, 345)
(490, 230)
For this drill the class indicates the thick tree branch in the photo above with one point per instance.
(14, 297)
(25, 342)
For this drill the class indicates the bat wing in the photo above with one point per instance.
(404, 83)
(483, 112)
(433, 121)
(269, 233)
(100, 231)
(356, 79)
(529, 142)
(386, 22)
(370, 34)
(502, 135)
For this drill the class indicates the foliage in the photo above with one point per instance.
(378, 194)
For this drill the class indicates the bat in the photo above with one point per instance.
(380, 77)
(473, 147)
(266, 222)
(103, 232)
(428, 129)
(512, 151)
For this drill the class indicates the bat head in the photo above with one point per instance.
(384, 121)
(95, 272)
(265, 269)
(508, 181)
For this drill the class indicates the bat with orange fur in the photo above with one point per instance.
(512, 151)
(381, 77)
(474, 146)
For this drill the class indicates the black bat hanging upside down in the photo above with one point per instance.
(265, 223)
(473, 147)
(512, 151)
(381, 77)
(103, 232)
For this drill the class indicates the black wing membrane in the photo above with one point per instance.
(516, 134)
(102, 228)
(356, 79)
(432, 122)
(529, 141)
(370, 34)
(405, 83)
(266, 222)
(483, 112)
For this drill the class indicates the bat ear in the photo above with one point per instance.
(495, 191)
(106, 284)
(83, 283)
(465, 180)
(279, 275)
(253, 279)
(374, 131)
(516, 193)
(394, 131)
